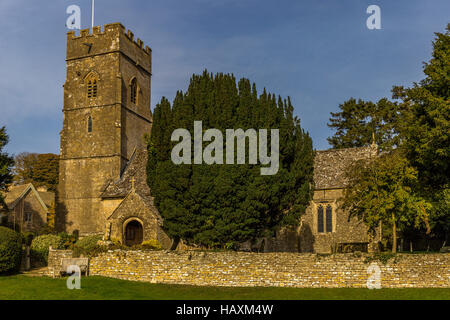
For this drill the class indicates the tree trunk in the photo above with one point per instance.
(394, 235)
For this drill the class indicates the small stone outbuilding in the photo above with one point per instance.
(128, 206)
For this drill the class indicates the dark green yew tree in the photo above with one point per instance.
(222, 205)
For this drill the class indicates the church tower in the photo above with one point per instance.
(106, 114)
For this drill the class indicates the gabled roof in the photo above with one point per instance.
(330, 165)
(132, 182)
(47, 197)
(136, 168)
(16, 193)
(133, 194)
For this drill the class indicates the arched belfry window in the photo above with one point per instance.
(329, 219)
(320, 219)
(92, 85)
(89, 124)
(133, 91)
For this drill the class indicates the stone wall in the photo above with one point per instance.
(54, 260)
(271, 269)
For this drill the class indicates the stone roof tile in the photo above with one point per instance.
(136, 168)
(330, 165)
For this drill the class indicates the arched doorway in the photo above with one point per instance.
(133, 233)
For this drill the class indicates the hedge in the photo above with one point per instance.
(41, 244)
(10, 250)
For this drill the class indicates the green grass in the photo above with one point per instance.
(98, 288)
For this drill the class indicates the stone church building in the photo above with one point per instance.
(102, 182)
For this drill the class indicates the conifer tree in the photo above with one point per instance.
(223, 205)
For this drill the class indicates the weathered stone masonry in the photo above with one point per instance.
(243, 269)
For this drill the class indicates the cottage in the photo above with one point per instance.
(28, 207)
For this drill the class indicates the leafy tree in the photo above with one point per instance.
(24, 166)
(46, 170)
(418, 123)
(40, 169)
(6, 163)
(426, 117)
(51, 216)
(222, 205)
(360, 122)
(425, 128)
(440, 215)
(382, 190)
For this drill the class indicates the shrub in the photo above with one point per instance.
(28, 237)
(152, 244)
(89, 242)
(87, 246)
(116, 242)
(41, 244)
(382, 257)
(45, 229)
(68, 240)
(10, 250)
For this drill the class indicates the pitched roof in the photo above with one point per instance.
(134, 195)
(136, 168)
(330, 165)
(16, 193)
(47, 197)
(13, 194)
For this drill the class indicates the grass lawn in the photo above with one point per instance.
(98, 288)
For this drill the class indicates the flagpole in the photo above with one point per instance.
(93, 8)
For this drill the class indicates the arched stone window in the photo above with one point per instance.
(133, 91)
(91, 85)
(320, 219)
(329, 219)
(89, 124)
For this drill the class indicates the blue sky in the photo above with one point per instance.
(320, 53)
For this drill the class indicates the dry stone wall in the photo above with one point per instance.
(270, 269)
(54, 260)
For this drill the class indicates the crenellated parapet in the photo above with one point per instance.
(113, 38)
